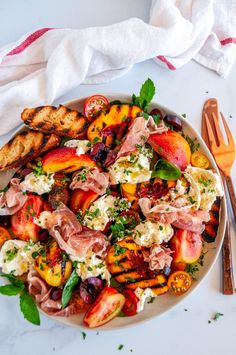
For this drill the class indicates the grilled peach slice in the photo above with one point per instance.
(65, 159)
(82, 200)
(172, 146)
(129, 191)
(52, 268)
(187, 247)
(116, 115)
(125, 263)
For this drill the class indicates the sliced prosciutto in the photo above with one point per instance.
(13, 199)
(93, 180)
(138, 134)
(159, 257)
(72, 237)
(41, 292)
(184, 219)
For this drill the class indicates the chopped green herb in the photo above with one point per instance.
(96, 139)
(118, 250)
(83, 335)
(38, 169)
(151, 300)
(191, 200)
(11, 253)
(79, 216)
(90, 268)
(120, 347)
(161, 228)
(185, 309)
(184, 115)
(217, 316)
(63, 141)
(205, 182)
(157, 119)
(193, 143)
(131, 279)
(35, 254)
(117, 263)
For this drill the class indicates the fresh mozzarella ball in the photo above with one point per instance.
(91, 266)
(98, 214)
(39, 184)
(131, 169)
(209, 185)
(148, 233)
(82, 146)
(16, 256)
(142, 296)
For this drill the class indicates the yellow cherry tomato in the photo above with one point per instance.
(200, 160)
(179, 282)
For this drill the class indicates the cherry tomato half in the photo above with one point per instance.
(22, 222)
(200, 160)
(106, 307)
(4, 235)
(131, 303)
(95, 104)
(179, 282)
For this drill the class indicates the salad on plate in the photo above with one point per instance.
(104, 210)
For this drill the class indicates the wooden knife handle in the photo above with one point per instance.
(231, 194)
(228, 283)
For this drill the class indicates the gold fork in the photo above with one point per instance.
(224, 154)
(211, 106)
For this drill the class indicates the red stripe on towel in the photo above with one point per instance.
(164, 60)
(29, 40)
(228, 41)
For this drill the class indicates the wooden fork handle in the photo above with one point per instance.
(231, 194)
(228, 283)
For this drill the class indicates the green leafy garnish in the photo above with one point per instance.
(146, 95)
(10, 290)
(27, 303)
(28, 308)
(4, 189)
(69, 288)
(165, 170)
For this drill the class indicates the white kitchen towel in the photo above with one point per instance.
(47, 63)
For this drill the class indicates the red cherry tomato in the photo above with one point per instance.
(131, 303)
(22, 222)
(106, 307)
(95, 104)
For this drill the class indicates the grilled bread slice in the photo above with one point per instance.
(61, 121)
(211, 227)
(25, 146)
(126, 264)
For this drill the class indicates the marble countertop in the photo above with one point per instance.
(185, 329)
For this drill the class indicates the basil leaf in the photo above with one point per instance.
(166, 171)
(63, 141)
(28, 308)
(10, 290)
(14, 280)
(69, 288)
(145, 96)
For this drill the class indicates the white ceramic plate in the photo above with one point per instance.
(164, 303)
